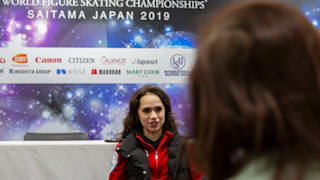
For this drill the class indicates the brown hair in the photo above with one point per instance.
(132, 122)
(255, 89)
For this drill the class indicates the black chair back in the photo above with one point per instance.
(63, 136)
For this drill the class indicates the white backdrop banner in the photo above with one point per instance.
(95, 65)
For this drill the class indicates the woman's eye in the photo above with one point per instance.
(158, 109)
(146, 110)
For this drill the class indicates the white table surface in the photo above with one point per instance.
(55, 160)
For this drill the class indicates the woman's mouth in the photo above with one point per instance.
(153, 124)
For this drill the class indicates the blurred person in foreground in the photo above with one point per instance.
(151, 146)
(256, 94)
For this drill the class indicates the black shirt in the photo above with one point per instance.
(155, 144)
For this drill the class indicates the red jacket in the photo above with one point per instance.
(158, 160)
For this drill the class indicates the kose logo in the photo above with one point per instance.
(2, 60)
(71, 71)
(118, 61)
(48, 60)
(81, 60)
(177, 62)
(76, 71)
(20, 58)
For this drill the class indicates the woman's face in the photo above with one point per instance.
(151, 113)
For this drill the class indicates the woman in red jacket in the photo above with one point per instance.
(151, 146)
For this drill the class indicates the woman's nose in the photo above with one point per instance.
(153, 114)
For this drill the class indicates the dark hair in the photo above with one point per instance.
(255, 89)
(132, 122)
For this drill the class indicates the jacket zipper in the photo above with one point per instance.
(156, 157)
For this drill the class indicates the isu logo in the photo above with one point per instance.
(177, 62)
(20, 58)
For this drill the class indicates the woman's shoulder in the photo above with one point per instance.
(129, 142)
(177, 139)
(264, 169)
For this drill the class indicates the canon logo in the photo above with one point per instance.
(81, 60)
(48, 60)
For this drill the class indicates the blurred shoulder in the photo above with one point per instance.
(264, 169)
(256, 169)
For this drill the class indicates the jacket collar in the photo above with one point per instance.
(167, 136)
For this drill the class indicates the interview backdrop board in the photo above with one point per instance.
(72, 65)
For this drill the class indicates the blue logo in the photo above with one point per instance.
(61, 71)
(177, 62)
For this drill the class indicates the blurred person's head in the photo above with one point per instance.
(255, 88)
(149, 112)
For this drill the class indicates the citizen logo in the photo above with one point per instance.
(48, 60)
(81, 60)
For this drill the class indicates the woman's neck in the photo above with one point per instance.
(152, 136)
